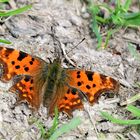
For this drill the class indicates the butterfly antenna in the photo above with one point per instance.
(75, 46)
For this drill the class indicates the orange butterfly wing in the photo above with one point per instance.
(86, 83)
(92, 83)
(17, 62)
(26, 71)
(67, 100)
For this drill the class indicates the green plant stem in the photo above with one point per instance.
(15, 12)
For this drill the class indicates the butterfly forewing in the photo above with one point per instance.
(91, 83)
(17, 62)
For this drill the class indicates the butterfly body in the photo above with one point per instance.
(55, 79)
(50, 84)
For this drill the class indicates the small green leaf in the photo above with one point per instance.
(5, 41)
(15, 12)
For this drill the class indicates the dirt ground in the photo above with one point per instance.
(31, 32)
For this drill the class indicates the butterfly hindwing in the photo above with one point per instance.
(70, 101)
(25, 89)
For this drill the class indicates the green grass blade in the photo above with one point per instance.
(131, 19)
(5, 41)
(66, 128)
(134, 110)
(94, 11)
(95, 29)
(109, 33)
(127, 4)
(133, 22)
(132, 99)
(128, 16)
(55, 124)
(4, 0)
(119, 121)
(41, 128)
(15, 12)
(118, 5)
(101, 20)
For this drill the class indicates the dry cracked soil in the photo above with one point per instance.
(31, 32)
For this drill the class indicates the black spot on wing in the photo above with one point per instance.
(32, 81)
(21, 56)
(78, 74)
(13, 62)
(88, 87)
(89, 75)
(94, 85)
(27, 79)
(17, 67)
(31, 62)
(73, 91)
(26, 69)
(31, 88)
(79, 83)
(7, 55)
(68, 91)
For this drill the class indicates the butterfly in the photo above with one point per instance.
(38, 82)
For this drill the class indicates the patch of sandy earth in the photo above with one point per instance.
(31, 32)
